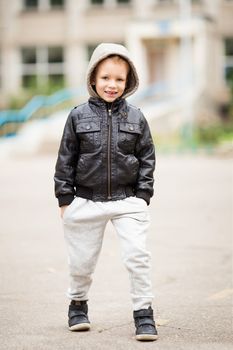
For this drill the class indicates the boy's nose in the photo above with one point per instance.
(112, 84)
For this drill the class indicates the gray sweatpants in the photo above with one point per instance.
(84, 224)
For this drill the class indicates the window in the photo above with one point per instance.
(97, 2)
(110, 3)
(0, 70)
(55, 55)
(56, 3)
(29, 81)
(43, 4)
(165, 1)
(42, 65)
(229, 47)
(31, 4)
(90, 49)
(229, 60)
(56, 80)
(29, 55)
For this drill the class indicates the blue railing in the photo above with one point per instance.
(37, 107)
(43, 106)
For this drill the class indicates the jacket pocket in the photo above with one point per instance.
(128, 134)
(88, 133)
(128, 169)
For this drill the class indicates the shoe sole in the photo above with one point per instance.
(80, 327)
(149, 337)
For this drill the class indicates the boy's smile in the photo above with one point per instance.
(111, 77)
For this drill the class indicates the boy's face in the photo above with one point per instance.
(110, 78)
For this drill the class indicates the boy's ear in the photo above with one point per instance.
(92, 79)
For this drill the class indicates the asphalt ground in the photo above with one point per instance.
(191, 244)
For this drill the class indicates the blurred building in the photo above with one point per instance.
(172, 42)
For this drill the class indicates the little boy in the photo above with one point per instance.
(104, 171)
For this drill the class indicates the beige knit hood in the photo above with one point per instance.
(101, 52)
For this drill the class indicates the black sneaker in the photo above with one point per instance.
(145, 324)
(78, 319)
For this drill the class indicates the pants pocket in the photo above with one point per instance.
(67, 210)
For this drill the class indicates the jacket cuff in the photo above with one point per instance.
(65, 199)
(144, 195)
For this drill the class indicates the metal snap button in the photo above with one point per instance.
(131, 128)
(88, 127)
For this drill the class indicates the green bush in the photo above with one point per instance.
(213, 135)
(18, 101)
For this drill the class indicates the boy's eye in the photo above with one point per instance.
(105, 77)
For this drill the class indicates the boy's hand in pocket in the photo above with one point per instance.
(63, 208)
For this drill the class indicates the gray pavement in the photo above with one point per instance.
(191, 245)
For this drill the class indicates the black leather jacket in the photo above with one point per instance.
(106, 153)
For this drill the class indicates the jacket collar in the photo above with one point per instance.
(119, 105)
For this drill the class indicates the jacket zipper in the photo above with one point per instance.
(109, 151)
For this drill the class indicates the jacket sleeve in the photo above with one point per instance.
(66, 164)
(145, 153)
